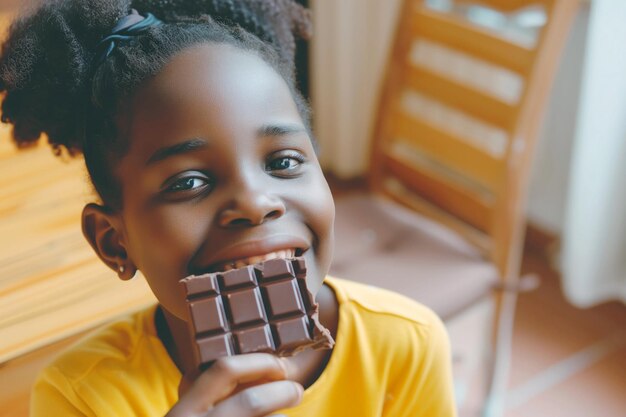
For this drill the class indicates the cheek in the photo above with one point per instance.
(161, 243)
(164, 238)
(319, 211)
(325, 206)
(325, 215)
(316, 202)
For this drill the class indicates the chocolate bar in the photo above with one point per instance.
(264, 307)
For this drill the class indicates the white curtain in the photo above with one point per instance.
(349, 51)
(594, 246)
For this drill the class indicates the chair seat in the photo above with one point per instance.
(381, 244)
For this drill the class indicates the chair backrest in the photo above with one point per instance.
(460, 110)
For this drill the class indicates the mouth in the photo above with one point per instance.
(236, 263)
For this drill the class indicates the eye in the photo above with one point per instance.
(186, 184)
(192, 183)
(285, 164)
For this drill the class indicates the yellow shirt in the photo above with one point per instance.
(391, 359)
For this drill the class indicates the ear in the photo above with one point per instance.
(103, 230)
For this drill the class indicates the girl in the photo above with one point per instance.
(199, 147)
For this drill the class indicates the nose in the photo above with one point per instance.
(251, 207)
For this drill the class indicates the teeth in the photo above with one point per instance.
(240, 263)
(255, 259)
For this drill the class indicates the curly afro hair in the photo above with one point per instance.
(53, 85)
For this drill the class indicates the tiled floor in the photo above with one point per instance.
(566, 361)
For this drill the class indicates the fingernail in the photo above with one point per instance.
(300, 389)
(287, 367)
(254, 400)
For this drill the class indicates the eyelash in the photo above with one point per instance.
(293, 155)
(176, 185)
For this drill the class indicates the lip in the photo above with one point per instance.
(250, 248)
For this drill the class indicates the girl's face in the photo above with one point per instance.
(220, 172)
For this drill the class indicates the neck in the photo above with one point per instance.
(174, 335)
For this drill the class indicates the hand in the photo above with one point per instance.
(251, 385)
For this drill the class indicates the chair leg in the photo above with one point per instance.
(470, 340)
(500, 360)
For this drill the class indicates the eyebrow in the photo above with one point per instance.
(177, 149)
(198, 143)
(279, 129)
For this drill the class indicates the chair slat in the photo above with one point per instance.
(472, 40)
(464, 98)
(506, 5)
(397, 192)
(448, 196)
(449, 150)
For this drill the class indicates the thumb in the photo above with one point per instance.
(187, 381)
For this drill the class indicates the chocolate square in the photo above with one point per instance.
(208, 315)
(283, 298)
(245, 306)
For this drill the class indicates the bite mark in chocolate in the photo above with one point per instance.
(265, 307)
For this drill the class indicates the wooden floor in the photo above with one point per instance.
(52, 286)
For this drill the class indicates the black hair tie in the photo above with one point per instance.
(126, 28)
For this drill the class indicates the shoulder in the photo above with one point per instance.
(390, 323)
(382, 303)
(113, 344)
(406, 347)
(121, 369)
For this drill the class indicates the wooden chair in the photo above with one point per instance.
(458, 118)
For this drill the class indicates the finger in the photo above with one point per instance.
(221, 379)
(186, 382)
(260, 400)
